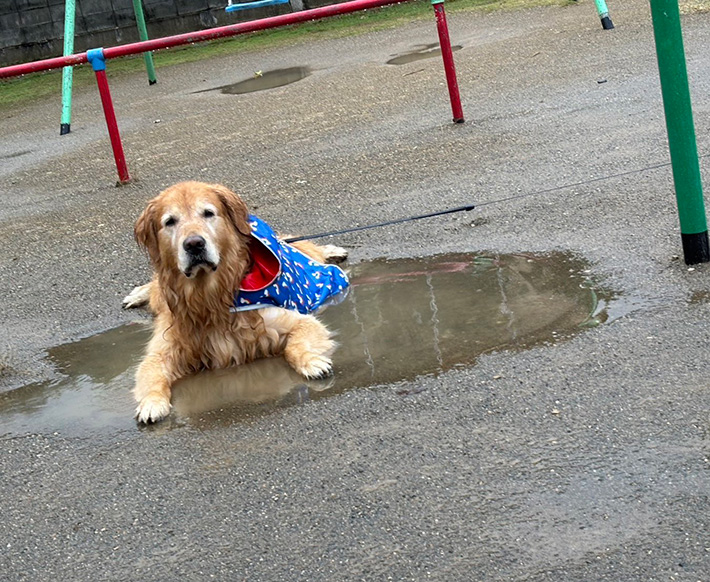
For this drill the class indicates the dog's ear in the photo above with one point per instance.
(235, 209)
(146, 232)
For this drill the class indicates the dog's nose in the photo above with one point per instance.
(194, 244)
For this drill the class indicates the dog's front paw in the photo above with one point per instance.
(137, 298)
(153, 407)
(313, 366)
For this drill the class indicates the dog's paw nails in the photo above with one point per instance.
(136, 298)
(152, 408)
(334, 254)
(316, 367)
(128, 303)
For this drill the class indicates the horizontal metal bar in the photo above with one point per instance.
(197, 36)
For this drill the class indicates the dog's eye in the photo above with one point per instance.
(170, 221)
(208, 213)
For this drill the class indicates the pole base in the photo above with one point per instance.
(64, 128)
(153, 82)
(459, 120)
(696, 248)
(607, 24)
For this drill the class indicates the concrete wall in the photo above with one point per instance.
(34, 29)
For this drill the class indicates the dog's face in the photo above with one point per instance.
(189, 227)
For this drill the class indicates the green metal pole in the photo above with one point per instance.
(681, 131)
(67, 72)
(143, 34)
(603, 11)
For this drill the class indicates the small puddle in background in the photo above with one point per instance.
(263, 81)
(425, 52)
(700, 297)
(401, 319)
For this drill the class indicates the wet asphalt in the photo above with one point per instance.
(586, 459)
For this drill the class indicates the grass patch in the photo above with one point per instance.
(48, 84)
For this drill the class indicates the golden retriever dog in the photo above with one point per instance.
(198, 238)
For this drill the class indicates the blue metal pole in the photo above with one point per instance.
(67, 72)
(603, 11)
(143, 35)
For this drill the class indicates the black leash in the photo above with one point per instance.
(506, 199)
(388, 223)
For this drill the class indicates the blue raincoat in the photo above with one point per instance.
(282, 276)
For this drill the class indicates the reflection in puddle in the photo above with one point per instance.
(401, 319)
(420, 316)
(263, 81)
(95, 393)
(427, 51)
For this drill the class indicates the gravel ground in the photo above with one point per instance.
(583, 460)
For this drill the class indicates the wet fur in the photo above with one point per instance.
(194, 329)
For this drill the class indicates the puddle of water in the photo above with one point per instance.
(94, 395)
(401, 319)
(425, 52)
(699, 297)
(262, 81)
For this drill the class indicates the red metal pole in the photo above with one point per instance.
(44, 65)
(448, 56)
(96, 58)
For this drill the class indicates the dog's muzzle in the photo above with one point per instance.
(195, 248)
